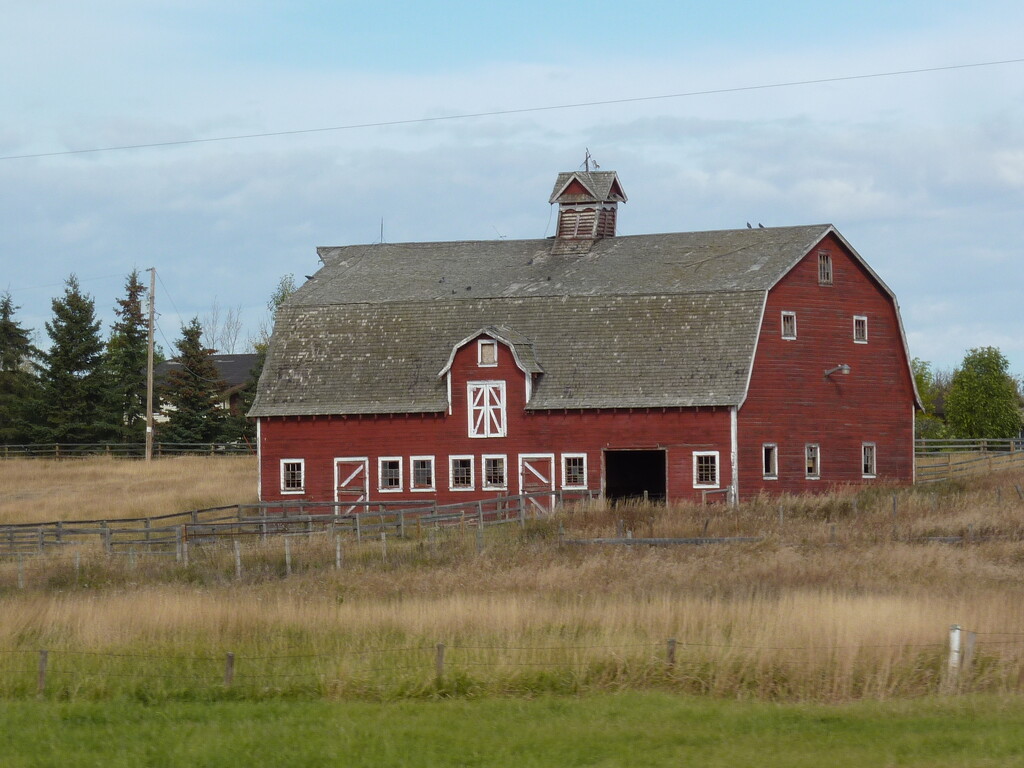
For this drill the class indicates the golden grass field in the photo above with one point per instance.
(828, 606)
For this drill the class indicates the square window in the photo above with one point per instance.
(487, 353)
(293, 476)
(495, 478)
(860, 329)
(422, 473)
(486, 408)
(789, 325)
(705, 469)
(770, 461)
(867, 453)
(812, 461)
(461, 473)
(574, 470)
(389, 474)
(824, 268)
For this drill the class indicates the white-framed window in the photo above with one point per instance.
(770, 461)
(812, 461)
(860, 329)
(824, 268)
(389, 474)
(867, 460)
(705, 469)
(293, 475)
(495, 473)
(460, 473)
(487, 353)
(574, 470)
(486, 408)
(421, 473)
(789, 325)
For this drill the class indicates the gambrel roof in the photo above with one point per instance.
(640, 321)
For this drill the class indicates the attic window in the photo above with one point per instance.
(824, 268)
(860, 329)
(487, 353)
(789, 325)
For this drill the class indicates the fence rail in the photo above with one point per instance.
(171, 534)
(121, 450)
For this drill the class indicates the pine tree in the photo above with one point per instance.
(76, 391)
(19, 383)
(126, 362)
(191, 389)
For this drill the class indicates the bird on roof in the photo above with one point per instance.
(748, 225)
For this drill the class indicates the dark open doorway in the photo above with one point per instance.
(633, 474)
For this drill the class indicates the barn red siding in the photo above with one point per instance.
(790, 403)
(319, 440)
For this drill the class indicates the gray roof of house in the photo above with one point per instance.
(640, 321)
(598, 182)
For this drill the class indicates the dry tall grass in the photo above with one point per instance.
(34, 490)
(840, 599)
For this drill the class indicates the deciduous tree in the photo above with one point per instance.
(983, 399)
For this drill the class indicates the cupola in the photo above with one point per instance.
(587, 206)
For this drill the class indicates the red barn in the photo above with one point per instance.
(741, 362)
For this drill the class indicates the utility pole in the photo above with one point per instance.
(149, 366)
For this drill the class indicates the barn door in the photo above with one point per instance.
(351, 484)
(537, 475)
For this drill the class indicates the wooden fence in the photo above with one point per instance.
(171, 535)
(946, 459)
(121, 450)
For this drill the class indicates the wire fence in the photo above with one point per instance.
(966, 661)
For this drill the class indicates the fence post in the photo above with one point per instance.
(184, 545)
(238, 560)
(60, 532)
(895, 509)
(671, 653)
(337, 552)
(177, 544)
(147, 525)
(384, 546)
(44, 657)
(21, 571)
(439, 661)
(954, 654)
(401, 523)
(229, 669)
(359, 533)
(287, 556)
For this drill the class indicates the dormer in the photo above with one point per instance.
(587, 207)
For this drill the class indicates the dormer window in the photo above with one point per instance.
(487, 353)
(486, 408)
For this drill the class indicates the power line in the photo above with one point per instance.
(520, 111)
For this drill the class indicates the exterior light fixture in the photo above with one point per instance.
(843, 368)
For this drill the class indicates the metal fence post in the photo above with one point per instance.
(44, 657)
(671, 653)
(439, 661)
(229, 670)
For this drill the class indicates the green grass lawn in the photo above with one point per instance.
(632, 729)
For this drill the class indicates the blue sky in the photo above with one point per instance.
(923, 173)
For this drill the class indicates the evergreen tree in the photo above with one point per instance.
(983, 401)
(19, 383)
(76, 397)
(191, 389)
(126, 362)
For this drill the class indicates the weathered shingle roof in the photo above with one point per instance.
(640, 321)
(599, 183)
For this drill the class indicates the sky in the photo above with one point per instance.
(922, 173)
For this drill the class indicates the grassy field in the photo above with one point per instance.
(840, 600)
(648, 729)
(97, 489)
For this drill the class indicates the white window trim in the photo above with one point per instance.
(718, 469)
(380, 474)
(817, 475)
(472, 473)
(483, 472)
(302, 469)
(413, 488)
(874, 461)
(565, 473)
(865, 320)
(782, 325)
(497, 386)
(774, 474)
(481, 343)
